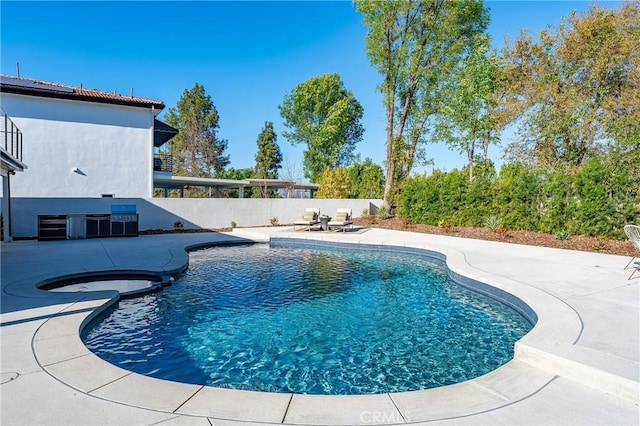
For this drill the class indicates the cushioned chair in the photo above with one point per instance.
(633, 232)
(342, 220)
(309, 218)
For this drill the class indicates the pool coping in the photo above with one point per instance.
(544, 354)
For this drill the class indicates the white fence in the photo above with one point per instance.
(194, 213)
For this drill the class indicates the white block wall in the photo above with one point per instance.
(82, 149)
(161, 213)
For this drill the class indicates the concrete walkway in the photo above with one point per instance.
(579, 365)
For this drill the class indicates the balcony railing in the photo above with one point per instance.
(163, 162)
(11, 137)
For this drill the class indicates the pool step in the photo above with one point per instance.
(599, 370)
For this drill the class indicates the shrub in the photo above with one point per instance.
(516, 194)
(383, 212)
(492, 222)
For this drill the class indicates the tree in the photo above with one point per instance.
(467, 122)
(325, 116)
(360, 180)
(268, 157)
(416, 46)
(367, 179)
(575, 89)
(334, 183)
(197, 150)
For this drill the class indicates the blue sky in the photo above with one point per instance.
(247, 55)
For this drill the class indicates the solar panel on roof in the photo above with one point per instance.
(32, 84)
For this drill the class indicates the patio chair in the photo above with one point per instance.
(633, 232)
(309, 218)
(342, 220)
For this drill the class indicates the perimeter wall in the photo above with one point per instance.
(194, 213)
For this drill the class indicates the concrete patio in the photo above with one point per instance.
(579, 365)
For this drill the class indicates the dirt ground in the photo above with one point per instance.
(575, 242)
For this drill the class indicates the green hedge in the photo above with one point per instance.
(597, 199)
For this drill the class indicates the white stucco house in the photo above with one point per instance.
(11, 147)
(83, 142)
(93, 165)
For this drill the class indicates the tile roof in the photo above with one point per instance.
(33, 87)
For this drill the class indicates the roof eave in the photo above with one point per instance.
(140, 103)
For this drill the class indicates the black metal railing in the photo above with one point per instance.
(11, 136)
(163, 162)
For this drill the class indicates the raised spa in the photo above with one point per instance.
(321, 319)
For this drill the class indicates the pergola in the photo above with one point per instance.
(180, 182)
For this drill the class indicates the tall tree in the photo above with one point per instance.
(268, 157)
(468, 121)
(325, 116)
(197, 150)
(416, 45)
(575, 89)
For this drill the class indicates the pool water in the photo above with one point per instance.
(311, 321)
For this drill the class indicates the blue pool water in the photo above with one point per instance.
(321, 321)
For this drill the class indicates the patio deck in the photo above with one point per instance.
(580, 364)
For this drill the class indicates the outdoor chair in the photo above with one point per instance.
(342, 220)
(309, 218)
(633, 232)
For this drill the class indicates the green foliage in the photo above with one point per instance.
(197, 150)
(516, 195)
(479, 199)
(575, 87)
(325, 116)
(361, 180)
(492, 222)
(334, 183)
(268, 157)
(557, 201)
(596, 212)
(596, 199)
(367, 180)
(383, 212)
(562, 235)
(417, 48)
(233, 224)
(466, 122)
(237, 174)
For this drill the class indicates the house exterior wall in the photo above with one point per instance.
(82, 149)
(194, 213)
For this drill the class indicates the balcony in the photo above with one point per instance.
(163, 162)
(10, 144)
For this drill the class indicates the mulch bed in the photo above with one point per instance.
(575, 242)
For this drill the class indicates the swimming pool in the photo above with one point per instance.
(317, 321)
